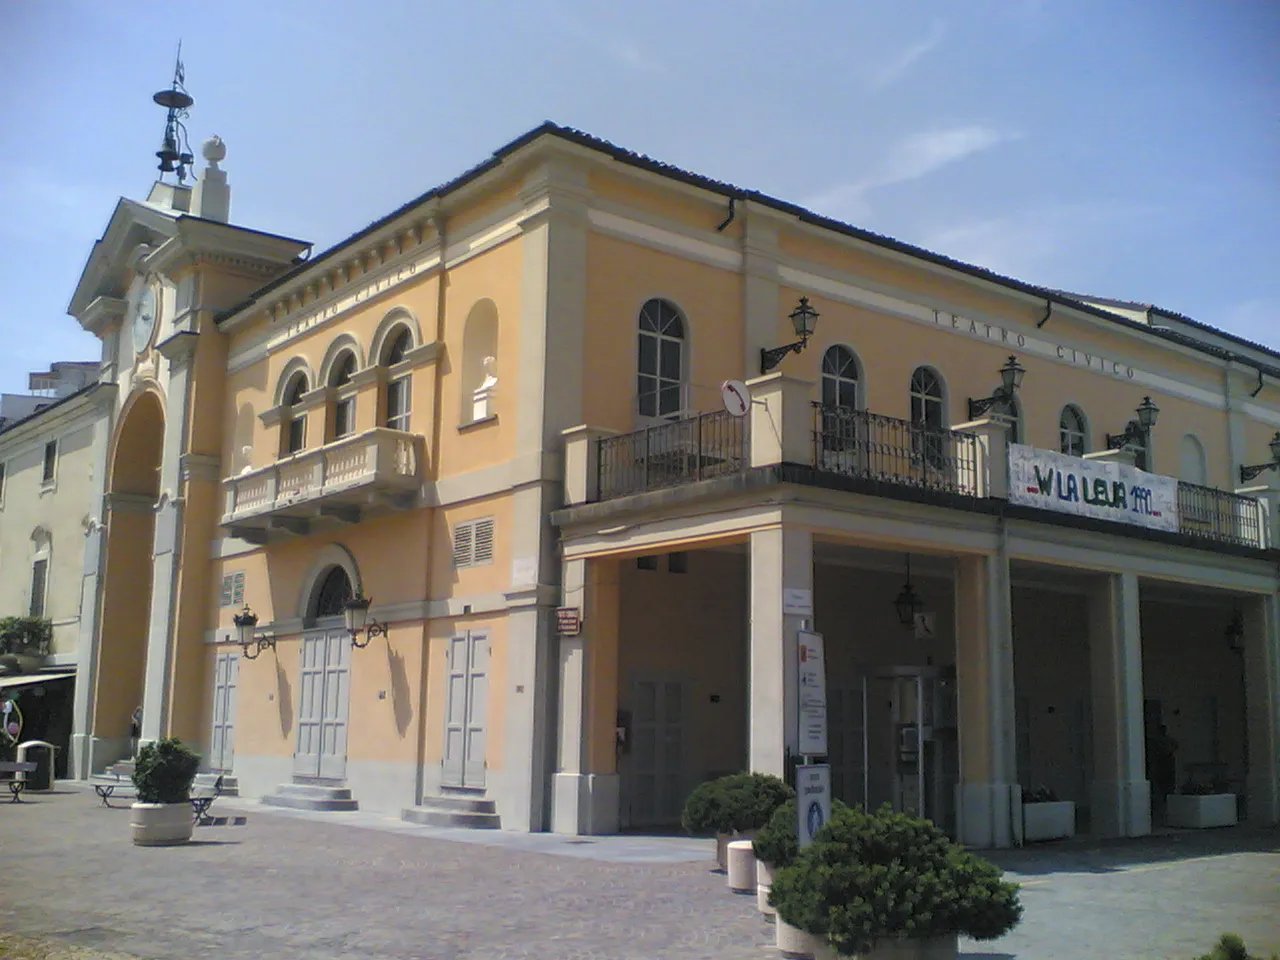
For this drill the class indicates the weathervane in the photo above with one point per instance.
(175, 153)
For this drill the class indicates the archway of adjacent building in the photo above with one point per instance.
(133, 487)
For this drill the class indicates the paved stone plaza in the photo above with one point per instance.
(316, 886)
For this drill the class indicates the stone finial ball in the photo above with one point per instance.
(214, 150)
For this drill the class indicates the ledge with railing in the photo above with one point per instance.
(1221, 516)
(868, 446)
(671, 454)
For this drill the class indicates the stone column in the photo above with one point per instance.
(1262, 706)
(1121, 795)
(988, 799)
(781, 562)
(993, 456)
(585, 786)
(781, 420)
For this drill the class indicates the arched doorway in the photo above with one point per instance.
(133, 487)
(325, 688)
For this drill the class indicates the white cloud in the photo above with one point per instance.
(897, 67)
(911, 158)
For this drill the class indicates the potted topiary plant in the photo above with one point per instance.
(1045, 817)
(24, 643)
(1199, 805)
(887, 884)
(775, 846)
(733, 806)
(163, 774)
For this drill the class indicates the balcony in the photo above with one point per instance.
(376, 470)
(966, 468)
(671, 454)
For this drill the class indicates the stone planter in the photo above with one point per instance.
(741, 867)
(1048, 821)
(161, 824)
(794, 943)
(764, 882)
(1210, 810)
(722, 846)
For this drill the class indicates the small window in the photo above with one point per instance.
(646, 563)
(344, 409)
(399, 348)
(678, 562)
(50, 462)
(1073, 435)
(39, 578)
(334, 592)
(473, 543)
(926, 399)
(296, 424)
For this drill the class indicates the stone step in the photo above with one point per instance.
(459, 804)
(305, 796)
(446, 817)
(230, 785)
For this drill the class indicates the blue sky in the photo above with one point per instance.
(1128, 150)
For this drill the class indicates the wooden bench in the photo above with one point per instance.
(17, 785)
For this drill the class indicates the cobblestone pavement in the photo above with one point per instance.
(316, 886)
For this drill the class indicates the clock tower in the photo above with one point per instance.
(162, 270)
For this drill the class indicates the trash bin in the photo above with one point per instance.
(42, 756)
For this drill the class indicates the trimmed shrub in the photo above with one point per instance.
(25, 636)
(778, 842)
(164, 771)
(1231, 947)
(741, 801)
(872, 876)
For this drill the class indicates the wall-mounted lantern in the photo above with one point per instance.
(356, 613)
(908, 603)
(804, 319)
(1251, 472)
(1136, 432)
(1011, 375)
(247, 636)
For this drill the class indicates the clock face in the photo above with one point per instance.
(144, 318)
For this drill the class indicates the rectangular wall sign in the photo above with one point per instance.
(1089, 488)
(812, 695)
(813, 800)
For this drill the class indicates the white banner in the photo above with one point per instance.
(812, 681)
(1091, 488)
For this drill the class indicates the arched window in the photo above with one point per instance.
(295, 432)
(398, 390)
(660, 381)
(926, 399)
(840, 378)
(333, 592)
(344, 408)
(1073, 432)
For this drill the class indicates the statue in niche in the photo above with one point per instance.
(482, 396)
(246, 455)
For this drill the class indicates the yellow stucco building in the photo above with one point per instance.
(499, 409)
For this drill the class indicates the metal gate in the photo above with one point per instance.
(222, 741)
(656, 781)
(466, 711)
(322, 705)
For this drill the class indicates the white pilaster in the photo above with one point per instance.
(1262, 707)
(1121, 795)
(988, 798)
(781, 560)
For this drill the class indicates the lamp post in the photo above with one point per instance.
(356, 613)
(1251, 472)
(804, 319)
(246, 622)
(1136, 432)
(1011, 375)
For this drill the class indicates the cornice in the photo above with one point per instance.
(93, 403)
(201, 466)
(101, 313)
(179, 346)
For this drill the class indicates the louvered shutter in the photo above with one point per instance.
(462, 544)
(483, 541)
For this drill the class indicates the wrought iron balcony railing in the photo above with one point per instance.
(671, 454)
(1220, 515)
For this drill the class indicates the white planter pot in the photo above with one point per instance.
(1048, 821)
(722, 851)
(793, 942)
(764, 883)
(161, 824)
(1213, 810)
(741, 867)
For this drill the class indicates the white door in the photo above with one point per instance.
(466, 711)
(322, 705)
(657, 780)
(222, 744)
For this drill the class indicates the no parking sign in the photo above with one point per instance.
(813, 800)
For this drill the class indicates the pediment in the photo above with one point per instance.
(108, 270)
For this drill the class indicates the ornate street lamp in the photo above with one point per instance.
(1011, 375)
(1136, 432)
(356, 613)
(247, 636)
(1251, 472)
(804, 319)
(908, 603)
